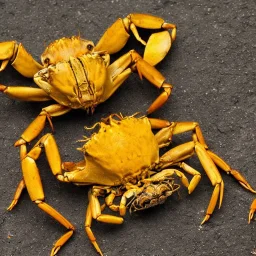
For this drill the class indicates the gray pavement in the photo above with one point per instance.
(212, 68)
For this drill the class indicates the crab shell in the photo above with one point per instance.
(76, 83)
(120, 151)
(61, 50)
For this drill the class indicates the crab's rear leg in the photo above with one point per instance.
(179, 153)
(158, 45)
(34, 185)
(208, 159)
(94, 211)
(164, 137)
(20, 59)
(252, 210)
(122, 68)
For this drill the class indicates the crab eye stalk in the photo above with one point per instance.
(90, 47)
(46, 62)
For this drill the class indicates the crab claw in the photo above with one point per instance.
(7, 52)
(158, 45)
(20, 59)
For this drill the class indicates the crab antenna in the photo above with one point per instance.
(83, 140)
(120, 116)
(92, 127)
(137, 113)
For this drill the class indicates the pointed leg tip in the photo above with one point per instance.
(250, 218)
(11, 206)
(253, 191)
(206, 218)
(54, 250)
(248, 187)
(19, 142)
(149, 111)
(251, 215)
(2, 88)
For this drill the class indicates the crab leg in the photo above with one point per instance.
(122, 68)
(34, 186)
(177, 154)
(35, 128)
(20, 59)
(34, 94)
(166, 173)
(225, 167)
(32, 131)
(25, 93)
(110, 199)
(208, 159)
(94, 212)
(17, 194)
(164, 137)
(252, 210)
(158, 45)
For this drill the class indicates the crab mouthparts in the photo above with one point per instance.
(42, 75)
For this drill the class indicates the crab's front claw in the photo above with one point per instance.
(20, 59)
(158, 45)
(252, 210)
(7, 53)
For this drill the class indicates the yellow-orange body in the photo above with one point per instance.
(134, 154)
(80, 82)
(122, 159)
(78, 74)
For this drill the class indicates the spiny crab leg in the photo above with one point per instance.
(158, 45)
(208, 159)
(20, 59)
(252, 210)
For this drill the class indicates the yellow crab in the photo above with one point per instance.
(122, 160)
(77, 74)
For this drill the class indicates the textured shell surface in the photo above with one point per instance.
(123, 148)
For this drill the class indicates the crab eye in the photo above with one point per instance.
(89, 47)
(47, 61)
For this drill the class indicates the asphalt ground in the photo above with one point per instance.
(212, 68)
